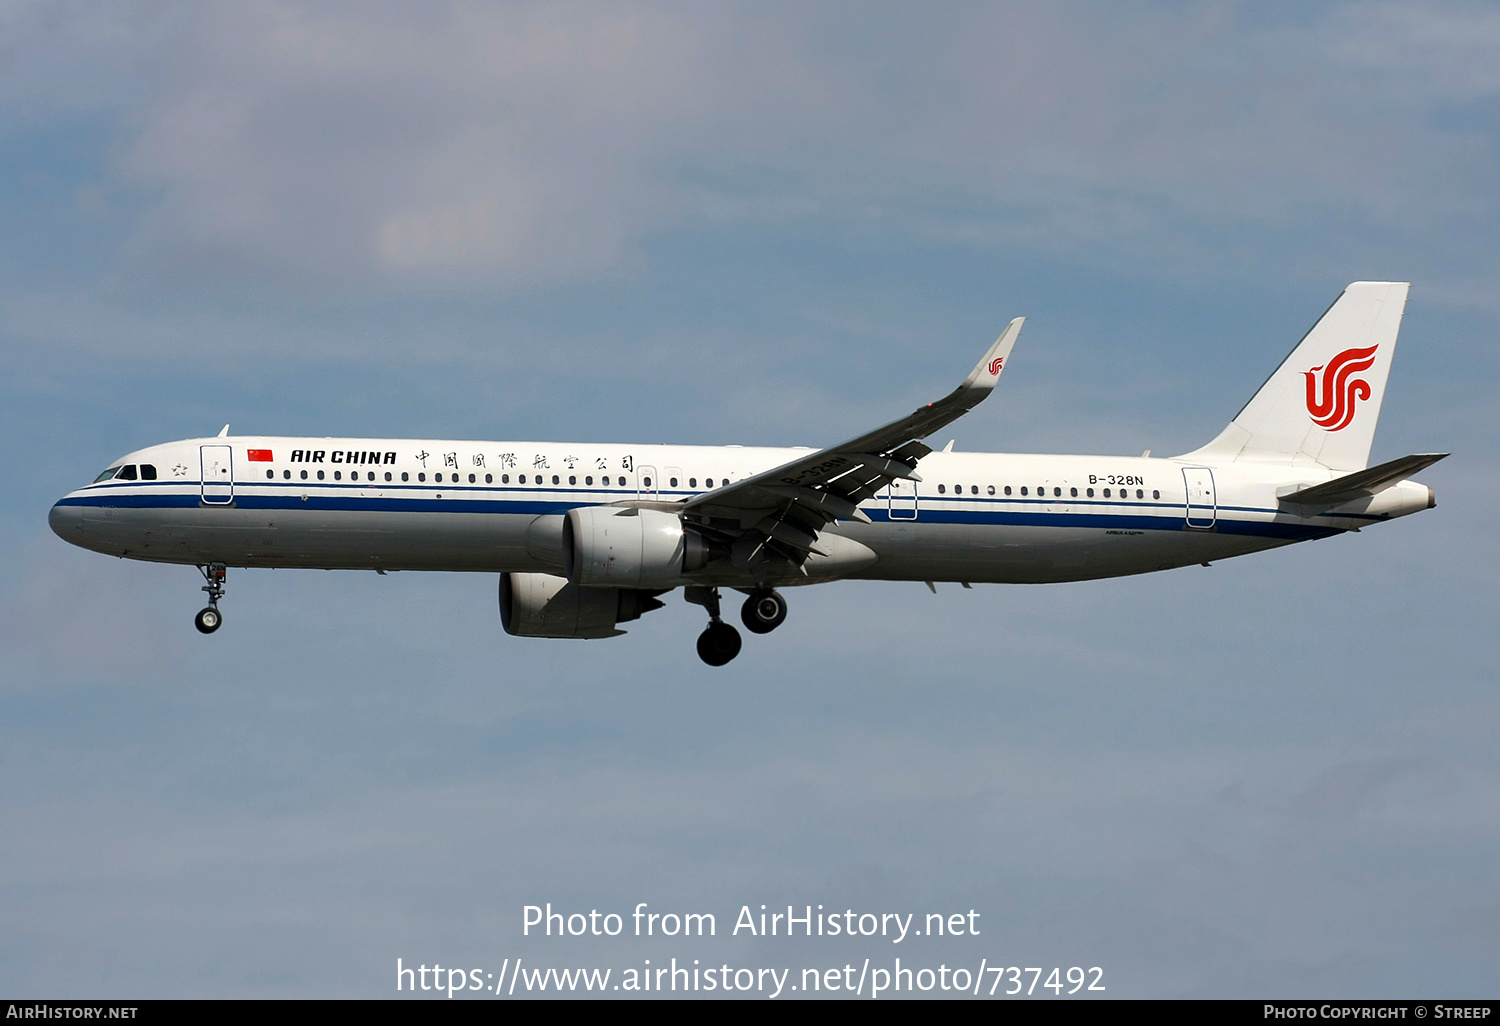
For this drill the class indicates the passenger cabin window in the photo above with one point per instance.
(127, 473)
(648, 482)
(1155, 494)
(304, 475)
(942, 489)
(1007, 489)
(111, 472)
(992, 489)
(320, 475)
(692, 481)
(270, 473)
(1024, 491)
(673, 482)
(622, 482)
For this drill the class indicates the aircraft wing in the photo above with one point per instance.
(780, 512)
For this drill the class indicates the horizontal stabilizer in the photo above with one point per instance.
(1363, 483)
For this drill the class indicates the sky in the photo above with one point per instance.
(761, 224)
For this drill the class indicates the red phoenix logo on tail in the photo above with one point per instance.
(1340, 389)
(996, 364)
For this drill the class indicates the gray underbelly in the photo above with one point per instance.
(322, 539)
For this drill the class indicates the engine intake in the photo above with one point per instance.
(544, 606)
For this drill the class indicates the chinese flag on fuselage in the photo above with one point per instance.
(260, 456)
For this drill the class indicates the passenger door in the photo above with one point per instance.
(1202, 501)
(217, 467)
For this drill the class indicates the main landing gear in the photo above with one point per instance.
(209, 618)
(719, 642)
(762, 613)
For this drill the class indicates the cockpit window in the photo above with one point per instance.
(127, 473)
(148, 472)
(111, 472)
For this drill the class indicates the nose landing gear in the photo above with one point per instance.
(719, 642)
(209, 618)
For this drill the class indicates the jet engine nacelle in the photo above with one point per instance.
(544, 606)
(630, 547)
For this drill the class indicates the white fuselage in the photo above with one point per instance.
(402, 504)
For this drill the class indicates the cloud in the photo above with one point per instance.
(378, 146)
(1440, 51)
(430, 144)
(1342, 790)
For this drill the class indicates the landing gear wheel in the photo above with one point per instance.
(763, 611)
(208, 619)
(718, 644)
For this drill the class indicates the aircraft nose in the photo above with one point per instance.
(66, 521)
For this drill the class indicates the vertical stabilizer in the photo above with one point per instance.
(1321, 404)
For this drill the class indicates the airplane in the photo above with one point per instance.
(588, 536)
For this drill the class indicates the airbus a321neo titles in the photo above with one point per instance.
(587, 536)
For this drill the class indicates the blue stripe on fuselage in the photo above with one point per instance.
(325, 497)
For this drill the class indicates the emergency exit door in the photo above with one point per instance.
(901, 500)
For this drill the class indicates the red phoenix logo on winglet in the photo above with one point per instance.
(996, 364)
(1340, 390)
